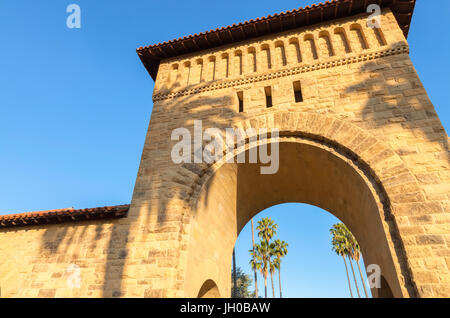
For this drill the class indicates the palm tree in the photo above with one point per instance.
(356, 257)
(255, 260)
(234, 275)
(348, 252)
(348, 241)
(280, 251)
(260, 260)
(355, 254)
(345, 238)
(339, 246)
(266, 229)
(273, 266)
(254, 270)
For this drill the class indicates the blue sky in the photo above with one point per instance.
(75, 106)
(310, 269)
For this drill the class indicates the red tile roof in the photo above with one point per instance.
(152, 55)
(62, 215)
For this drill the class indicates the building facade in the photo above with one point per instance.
(358, 137)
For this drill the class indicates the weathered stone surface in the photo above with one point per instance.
(365, 143)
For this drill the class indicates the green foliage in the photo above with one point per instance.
(344, 242)
(243, 282)
(266, 255)
(280, 248)
(267, 228)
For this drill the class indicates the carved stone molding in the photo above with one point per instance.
(404, 49)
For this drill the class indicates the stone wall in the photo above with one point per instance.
(361, 95)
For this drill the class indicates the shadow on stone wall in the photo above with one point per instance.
(396, 99)
(181, 179)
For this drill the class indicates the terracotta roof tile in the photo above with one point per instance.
(62, 215)
(152, 55)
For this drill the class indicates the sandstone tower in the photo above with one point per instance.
(359, 138)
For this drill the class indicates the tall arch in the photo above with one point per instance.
(340, 176)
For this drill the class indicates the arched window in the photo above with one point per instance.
(199, 72)
(211, 73)
(342, 40)
(252, 59)
(225, 66)
(173, 76)
(267, 58)
(380, 36)
(326, 47)
(186, 72)
(309, 38)
(294, 51)
(238, 62)
(359, 35)
(280, 54)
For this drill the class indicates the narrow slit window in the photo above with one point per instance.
(268, 92)
(298, 92)
(240, 96)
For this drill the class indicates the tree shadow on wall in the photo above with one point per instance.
(57, 239)
(215, 112)
(171, 185)
(396, 99)
(398, 104)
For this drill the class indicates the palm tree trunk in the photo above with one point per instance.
(279, 278)
(234, 275)
(348, 277)
(354, 277)
(265, 285)
(362, 278)
(254, 270)
(273, 289)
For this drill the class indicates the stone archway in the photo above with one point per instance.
(209, 290)
(315, 170)
(378, 159)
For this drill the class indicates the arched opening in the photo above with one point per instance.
(294, 51)
(281, 54)
(313, 55)
(384, 291)
(225, 66)
(310, 268)
(209, 290)
(199, 76)
(344, 44)
(359, 35)
(325, 45)
(238, 63)
(187, 73)
(211, 72)
(266, 57)
(310, 171)
(252, 64)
